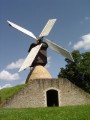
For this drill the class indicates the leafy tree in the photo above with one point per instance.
(78, 71)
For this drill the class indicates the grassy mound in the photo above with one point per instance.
(81, 112)
(49, 113)
(7, 93)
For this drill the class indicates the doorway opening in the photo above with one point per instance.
(52, 98)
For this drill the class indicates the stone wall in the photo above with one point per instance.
(34, 95)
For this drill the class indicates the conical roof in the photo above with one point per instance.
(38, 72)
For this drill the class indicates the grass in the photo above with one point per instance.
(7, 93)
(81, 112)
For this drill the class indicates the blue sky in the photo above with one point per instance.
(71, 31)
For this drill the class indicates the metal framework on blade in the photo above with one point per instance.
(39, 50)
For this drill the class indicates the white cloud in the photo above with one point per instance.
(5, 86)
(15, 65)
(5, 75)
(48, 62)
(87, 18)
(84, 43)
(70, 43)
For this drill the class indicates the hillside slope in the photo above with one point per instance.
(7, 93)
(34, 94)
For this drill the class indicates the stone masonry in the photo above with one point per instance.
(34, 94)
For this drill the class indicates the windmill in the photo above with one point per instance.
(38, 52)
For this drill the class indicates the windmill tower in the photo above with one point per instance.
(43, 92)
(37, 57)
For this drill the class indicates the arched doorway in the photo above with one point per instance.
(52, 97)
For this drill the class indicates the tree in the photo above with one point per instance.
(78, 71)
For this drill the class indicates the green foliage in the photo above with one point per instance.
(79, 71)
(49, 113)
(7, 93)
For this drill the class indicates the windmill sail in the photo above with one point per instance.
(30, 58)
(27, 32)
(59, 49)
(34, 51)
(47, 27)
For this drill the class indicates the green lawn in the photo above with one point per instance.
(49, 113)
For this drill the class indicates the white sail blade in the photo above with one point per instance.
(59, 49)
(47, 27)
(30, 58)
(27, 32)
